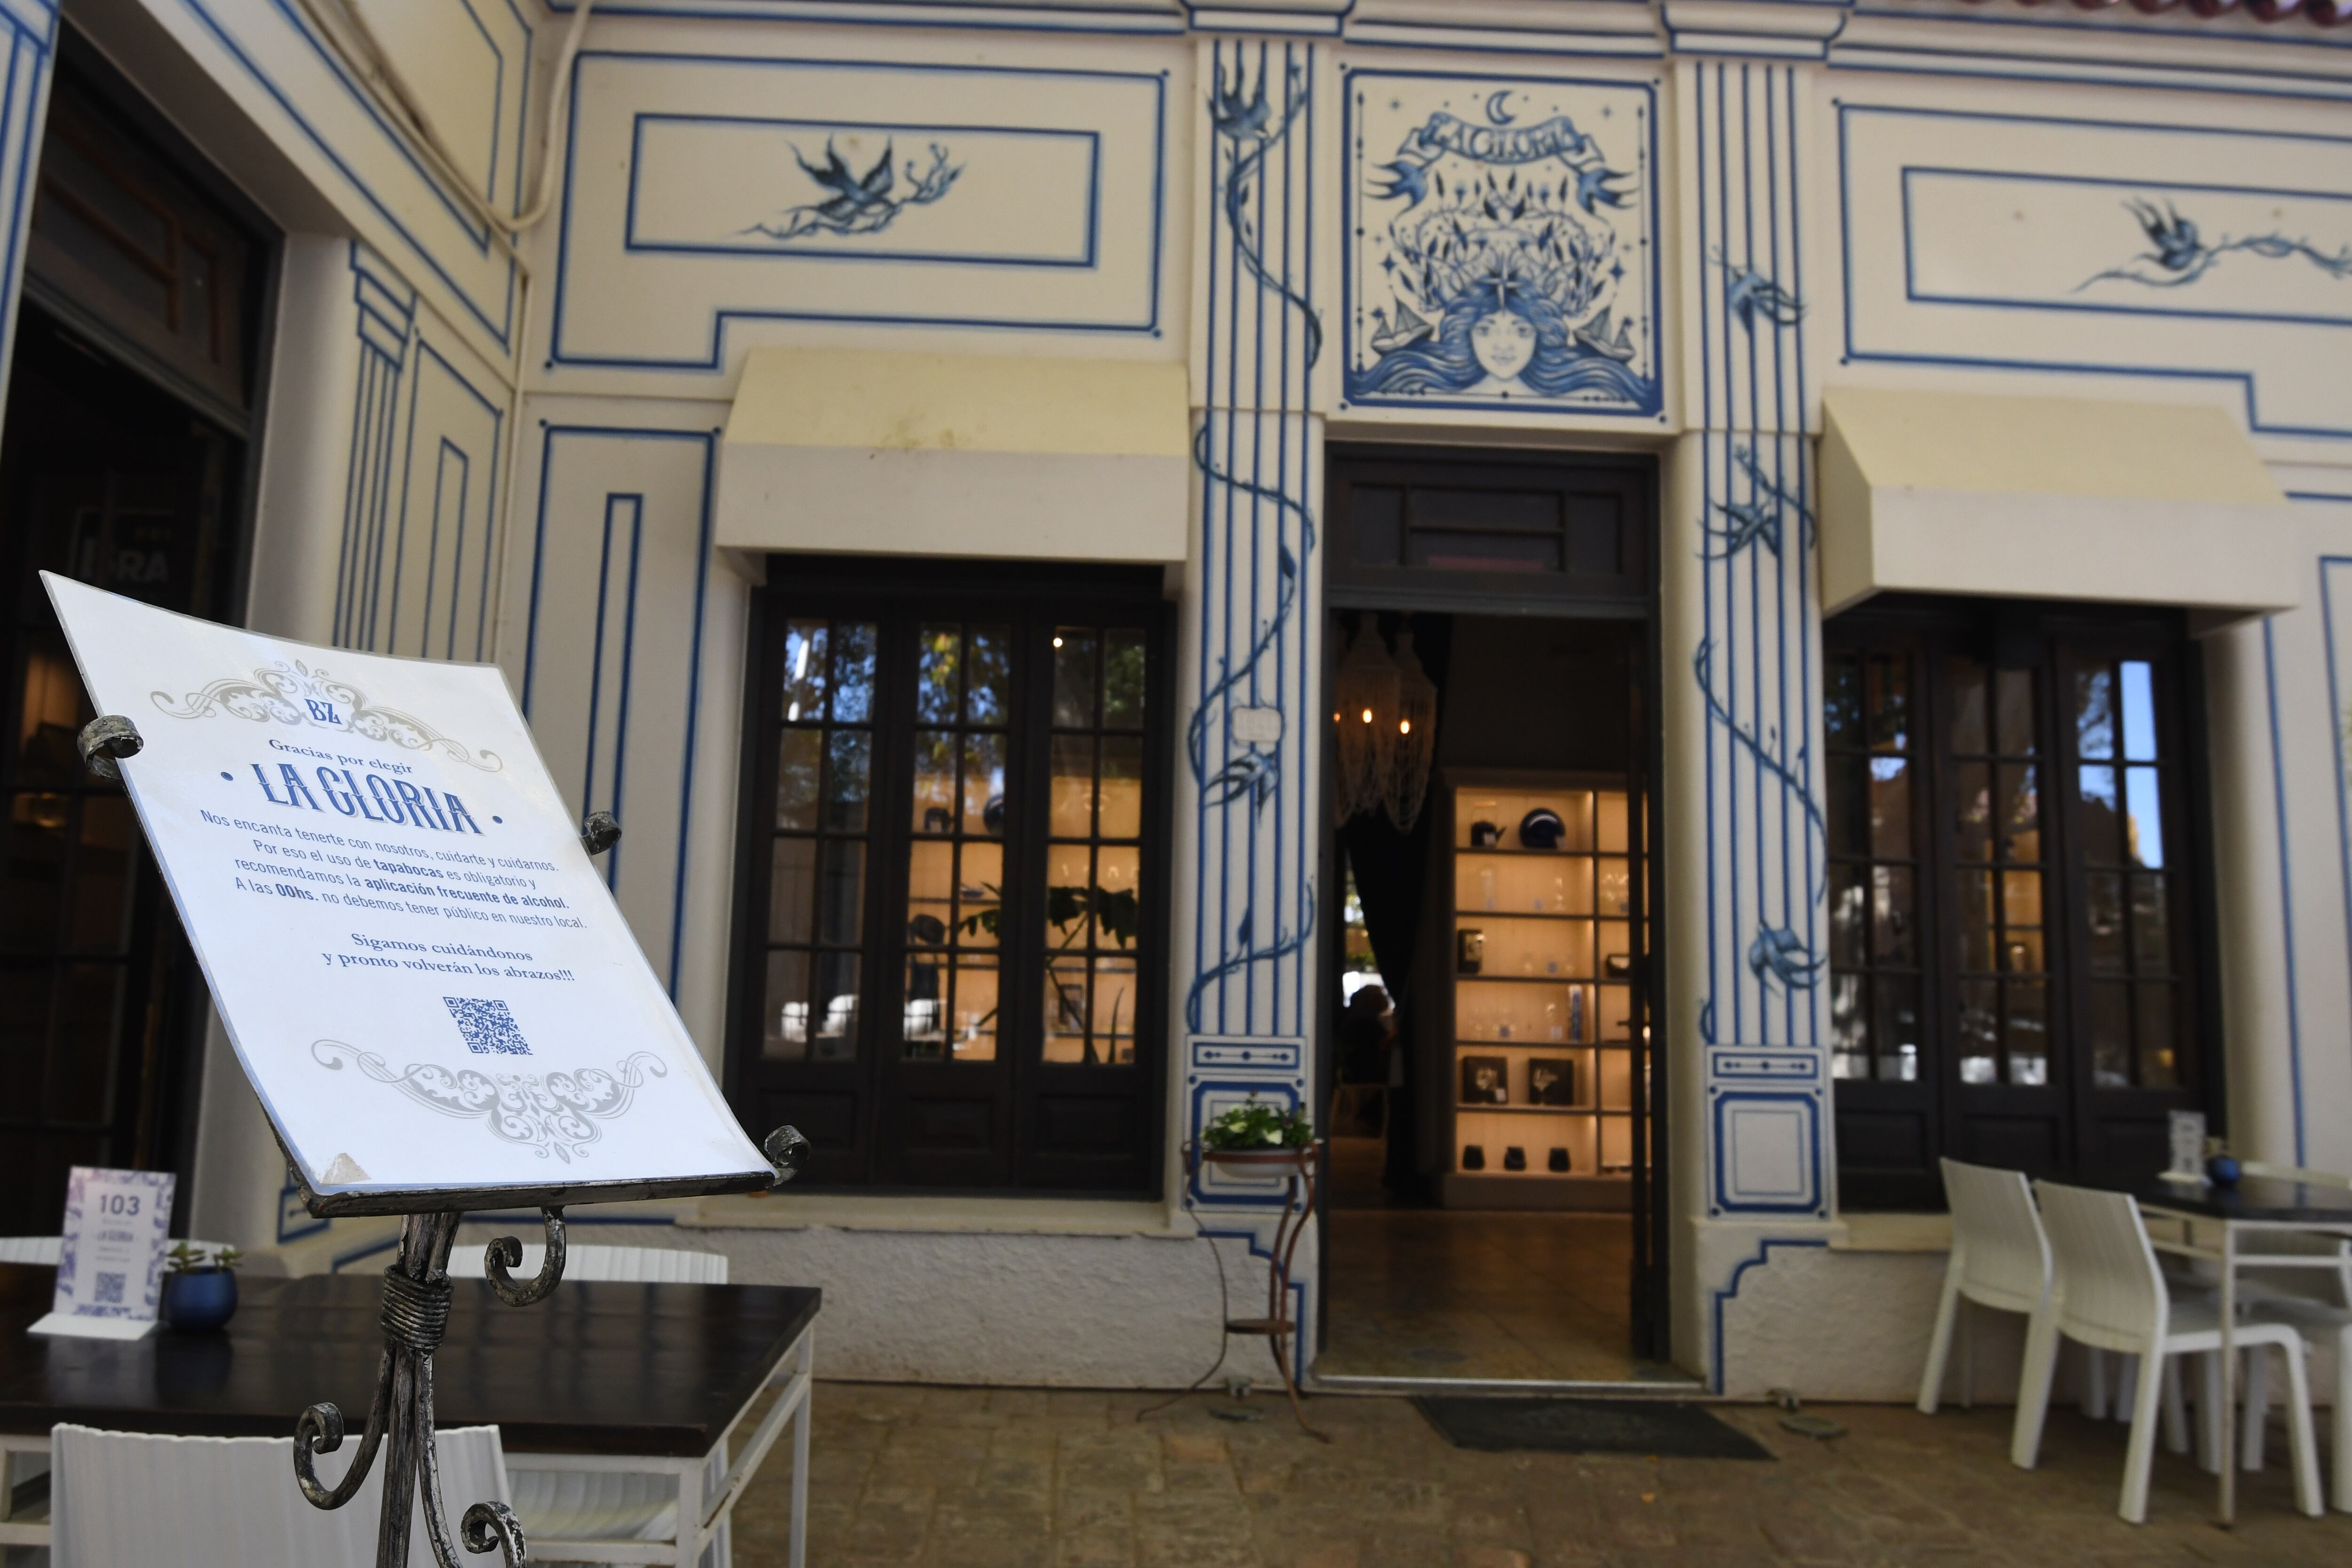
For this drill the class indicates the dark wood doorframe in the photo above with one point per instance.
(1630, 593)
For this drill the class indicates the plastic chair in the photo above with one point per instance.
(567, 1506)
(654, 1265)
(2315, 1302)
(124, 1498)
(2000, 1259)
(2108, 1292)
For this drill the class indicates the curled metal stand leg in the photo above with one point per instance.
(417, 1296)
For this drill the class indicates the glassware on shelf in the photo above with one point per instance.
(1487, 887)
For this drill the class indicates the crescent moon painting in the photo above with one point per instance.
(1495, 107)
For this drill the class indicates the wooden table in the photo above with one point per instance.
(2254, 1206)
(598, 1372)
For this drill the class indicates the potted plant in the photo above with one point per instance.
(1255, 1134)
(199, 1290)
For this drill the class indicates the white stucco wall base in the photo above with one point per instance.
(987, 1308)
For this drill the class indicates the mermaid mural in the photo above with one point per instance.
(1504, 278)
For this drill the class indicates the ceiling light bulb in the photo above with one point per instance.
(1405, 726)
(1368, 715)
(1058, 642)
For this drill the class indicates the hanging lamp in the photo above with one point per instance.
(1416, 736)
(1365, 714)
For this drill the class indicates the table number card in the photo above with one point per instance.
(425, 976)
(2188, 1145)
(110, 1268)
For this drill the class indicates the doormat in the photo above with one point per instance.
(1672, 1430)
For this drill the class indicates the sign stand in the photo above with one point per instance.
(416, 1300)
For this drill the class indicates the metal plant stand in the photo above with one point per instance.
(1299, 1166)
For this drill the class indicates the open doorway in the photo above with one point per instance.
(1491, 981)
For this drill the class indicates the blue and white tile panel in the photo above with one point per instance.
(1739, 541)
(1246, 904)
(1502, 253)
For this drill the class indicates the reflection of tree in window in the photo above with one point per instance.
(2122, 776)
(1874, 897)
(817, 885)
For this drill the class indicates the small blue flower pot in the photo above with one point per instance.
(198, 1300)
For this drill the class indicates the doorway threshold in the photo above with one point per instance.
(1665, 1384)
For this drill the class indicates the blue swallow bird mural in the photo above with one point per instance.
(1592, 191)
(1748, 294)
(1758, 519)
(1780, 951)
(2182, 255)
(860, 203)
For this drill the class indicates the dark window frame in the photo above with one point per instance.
(2070, 1125)
(858, 1111)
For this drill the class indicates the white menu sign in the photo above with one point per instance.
(426, 979)
(111, 1260)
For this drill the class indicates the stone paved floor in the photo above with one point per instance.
(954, 1478)
(1459, 1293)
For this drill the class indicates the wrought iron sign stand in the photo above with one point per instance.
(417, 1296)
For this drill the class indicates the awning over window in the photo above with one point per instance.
(2050, 498)
(922, 453)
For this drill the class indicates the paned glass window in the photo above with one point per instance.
(816, 889)
(1874, 871)
(955, 891)
(2014, 972)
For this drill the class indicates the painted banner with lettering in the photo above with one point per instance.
(424, 977)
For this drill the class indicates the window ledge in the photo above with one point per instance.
(1892, 1233)
(940, 1216)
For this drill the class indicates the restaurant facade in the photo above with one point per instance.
(1856, 492)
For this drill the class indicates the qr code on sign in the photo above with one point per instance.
(490, 1029)
(109, 1290)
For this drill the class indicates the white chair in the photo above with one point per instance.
(653, 1265)
(2316, 1303)
(2000, 1259)
(2107, 1292)
(576, 1514)
(117, 1499)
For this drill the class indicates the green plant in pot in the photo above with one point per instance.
(199, 1289)
(1255, 1127)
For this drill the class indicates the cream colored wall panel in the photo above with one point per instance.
(607, 630)
(2200, 247)
(267, 97)
(858, 189)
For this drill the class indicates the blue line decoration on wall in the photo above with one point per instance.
(861, 204)
(1247, 132)
(1755, 668)
(1258, 154)
(2182, 255)
(1501, 238)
